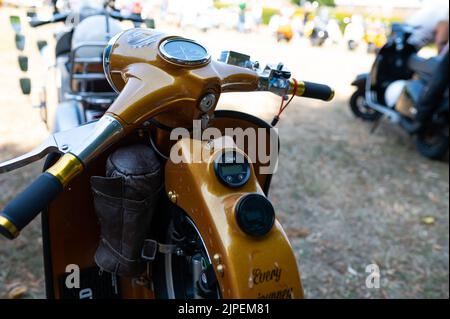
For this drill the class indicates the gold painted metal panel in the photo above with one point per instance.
(246, 267)
(150, 85)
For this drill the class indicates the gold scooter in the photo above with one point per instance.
(214, 233)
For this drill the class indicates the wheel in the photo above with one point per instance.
(352, 45)
(360, 109)
(316, 42)
(280, 37)
(371, 48)
(432, 141)
(176, 276)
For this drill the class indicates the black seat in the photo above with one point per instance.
(63, 44)
(414, 89)
(437, 84)
(424, 68)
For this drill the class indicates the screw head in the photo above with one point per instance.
(217, 258)
(173, 197)
(207, 102)
(220, 270)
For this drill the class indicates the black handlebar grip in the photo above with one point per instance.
(58, 17)
(28, 204)
(317, 91)
(37, 23)
(120, 17)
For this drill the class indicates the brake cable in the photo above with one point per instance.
(283, 106)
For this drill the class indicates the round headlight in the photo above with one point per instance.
(255, 215)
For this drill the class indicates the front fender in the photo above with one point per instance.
(360, 80)
(245, 267)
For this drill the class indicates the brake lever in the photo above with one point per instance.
(61, 143)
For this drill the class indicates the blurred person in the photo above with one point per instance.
(309, 26)
(274, 23)
(148, 9)
(205, 15)
(136, 11)
(436, 87)
(334, 31)
(54, 6)
(164, 9)
(242, 16)
(430, 25)
(257, 13)
(306, 17)
(297, 24)
(285, 30)
(354, 32)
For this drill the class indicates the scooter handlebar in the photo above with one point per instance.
(120, 17)
(315, 91)
(59, 17)
(28, 204)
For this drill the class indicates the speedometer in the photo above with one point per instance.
(184, 52)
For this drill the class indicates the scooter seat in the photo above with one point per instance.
(414, 89)
(424, 68)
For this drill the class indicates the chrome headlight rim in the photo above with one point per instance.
(107, 59)
(190, 63)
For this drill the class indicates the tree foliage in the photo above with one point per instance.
(327, 3)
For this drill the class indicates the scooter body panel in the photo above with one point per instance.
(71, 231)
(251, 267)
(406, 104)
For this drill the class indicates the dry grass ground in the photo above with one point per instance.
(347, 198)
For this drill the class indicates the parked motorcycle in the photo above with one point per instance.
(318, 36)
(285, 33)
(145, 214)
(20, 41)
(316, 31)
(393, 88)
(75, 89)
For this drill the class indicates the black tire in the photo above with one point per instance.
(360, 109)
(352, 45)
(371, 48)
(172, 274)
(317, 42)
(432, 142)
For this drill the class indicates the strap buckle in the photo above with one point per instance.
(151, 247)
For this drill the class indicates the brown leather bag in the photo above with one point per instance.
(124, 202)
